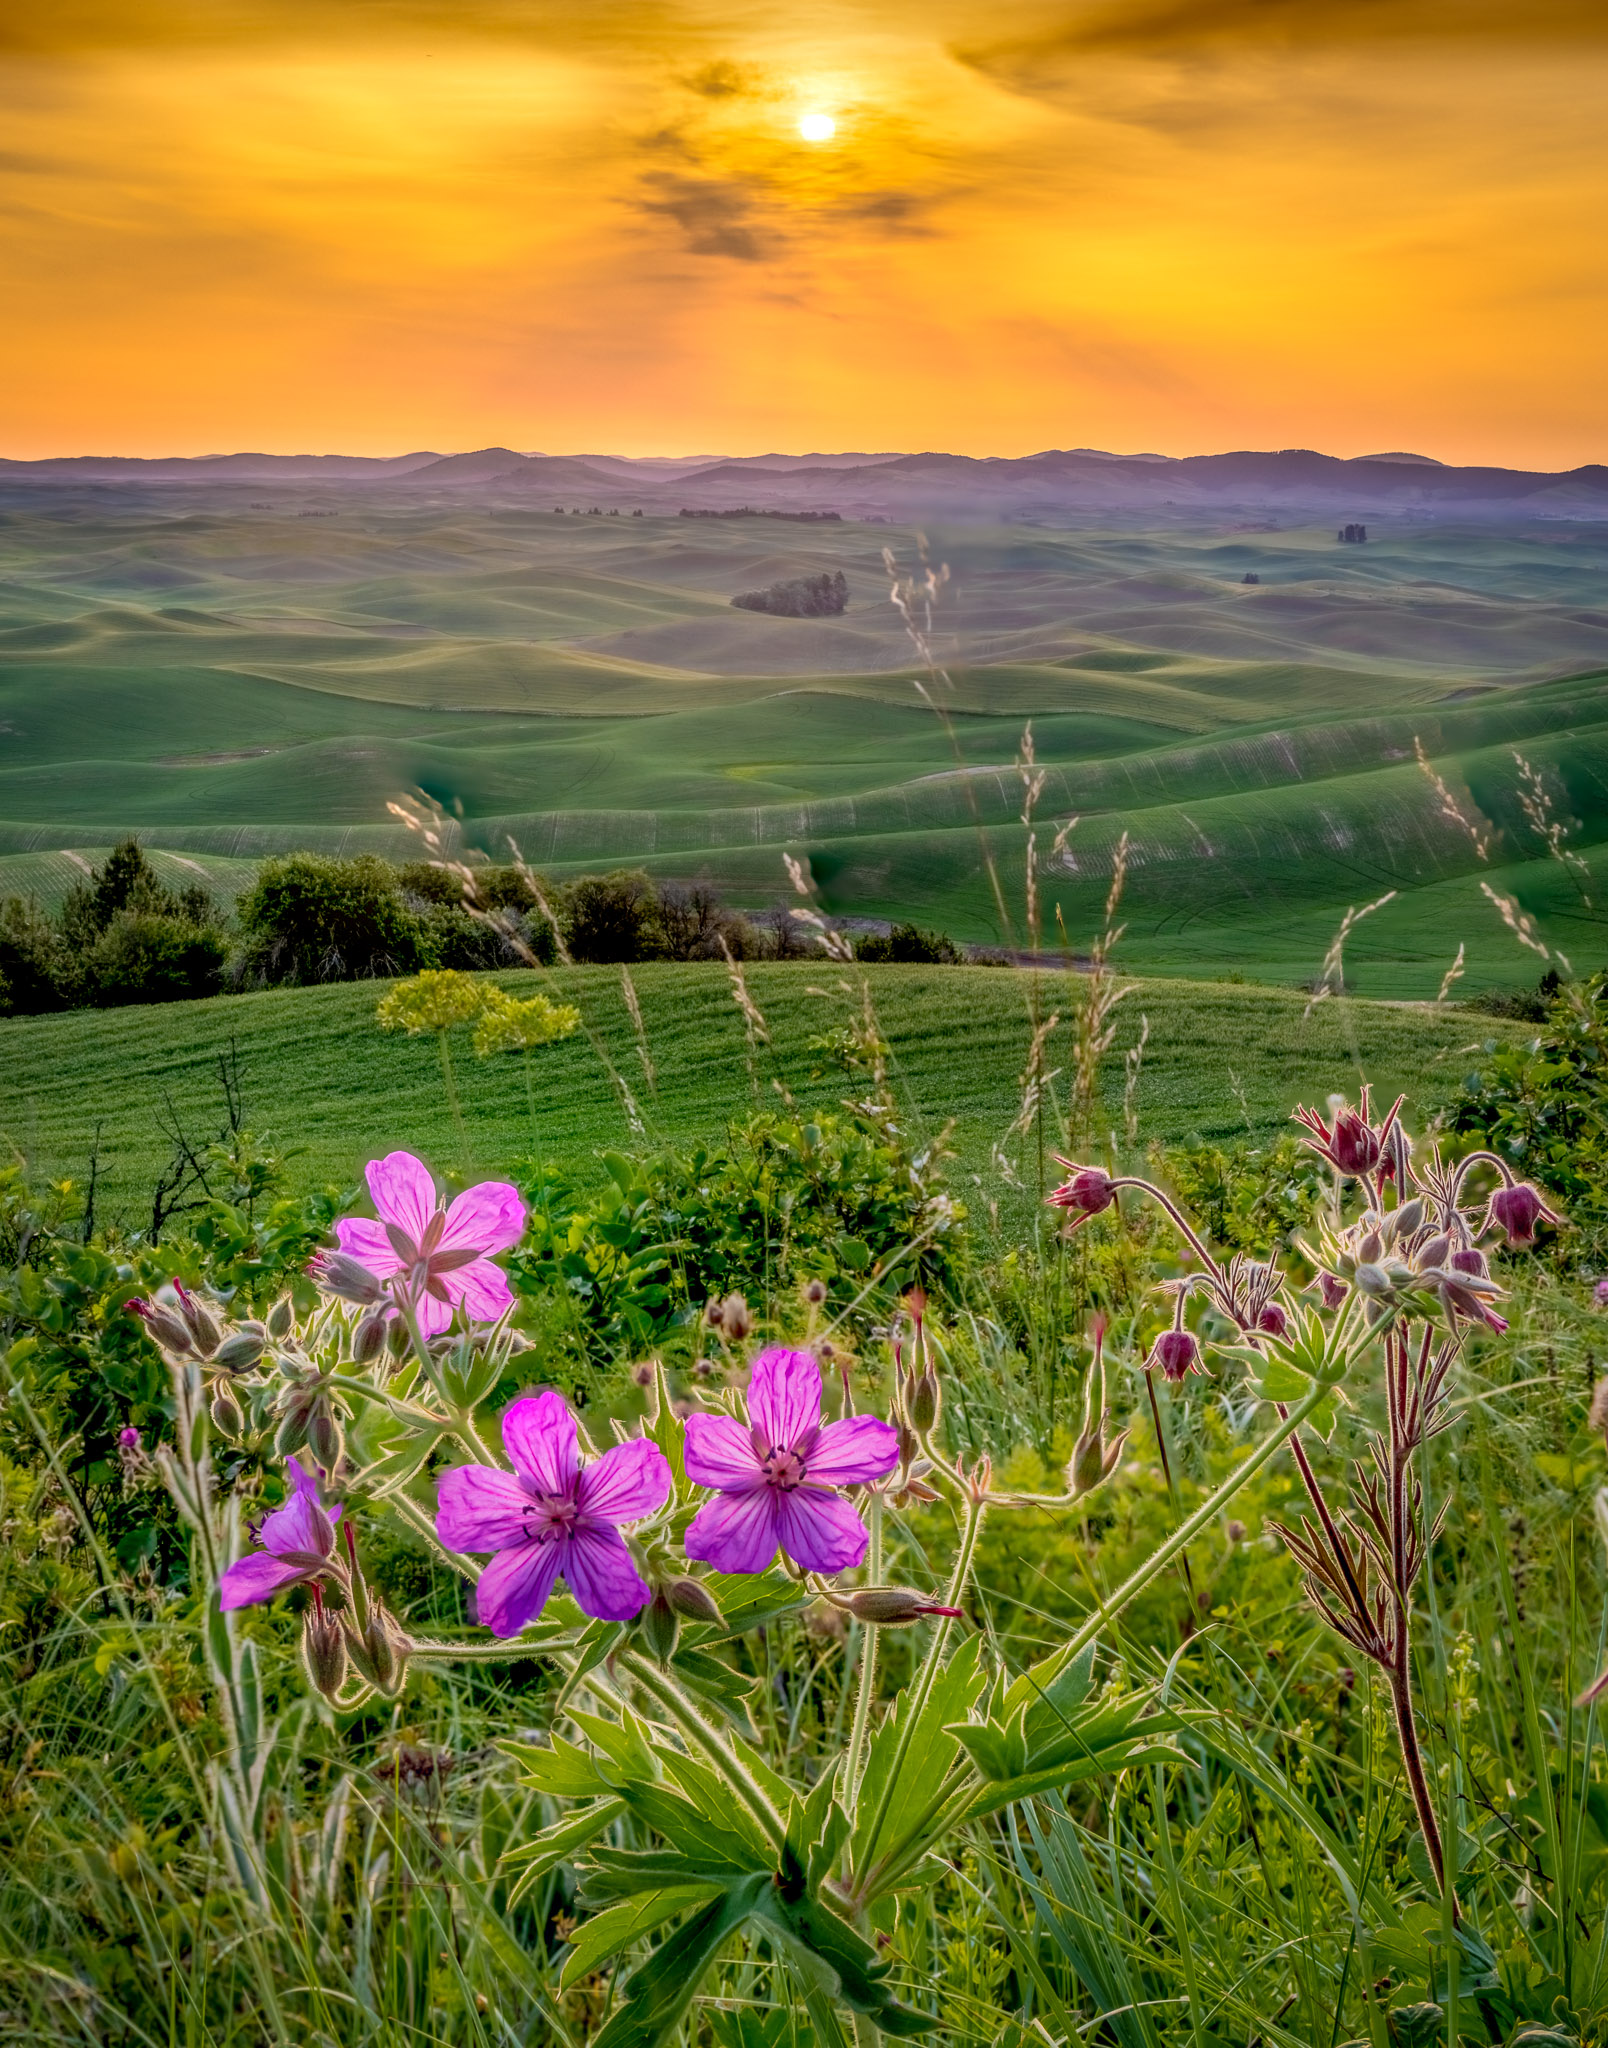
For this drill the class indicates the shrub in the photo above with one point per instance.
(909, 945)
(310, 917)
(693, 922)
(37, 970)
(152, 957)
(611, 918)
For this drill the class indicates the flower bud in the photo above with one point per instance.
(1470, 1260)
(128, 1438)
(295, 1412)
(1435, 1252)
(714, 1312)
(324, 1436)
(815, 1293)
(692, 1599)
(1373, 1280)
(242, 1350)
(202, 1324)
(893, 1606)
(923, 1403)
(1517, 1210)
(1089, 1191)
(368, 1339)
(227, 1419)
(397, 1339)
(323, 1649)
(165, 1327)
(281, 1318)
(1407, 1219)
(1354, 1147)
(1370, 1248)
(1177, 1353)
(660, 1628)
(1333, 1289)
(736, 1318)
(338, 1273)
(1273, 1321)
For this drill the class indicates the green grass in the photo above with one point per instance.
(319, 1076)
(232, 684)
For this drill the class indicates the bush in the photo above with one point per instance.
(151, 957)
(693, 922)
(310, 917)
(37, 971)
(908, 945)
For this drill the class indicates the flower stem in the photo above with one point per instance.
(868, 1665)
(697, 1730)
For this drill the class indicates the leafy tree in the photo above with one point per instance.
(909, 945)
(611, 917)
(311, 917)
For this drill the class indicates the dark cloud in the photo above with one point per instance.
(715, 215)
(724, 80)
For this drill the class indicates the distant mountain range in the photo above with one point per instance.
(886, 486)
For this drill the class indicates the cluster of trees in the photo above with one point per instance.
(803, 597)
(124, 936)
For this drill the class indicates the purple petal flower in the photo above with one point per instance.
(776, 1481)
(551, 1517)
(298, 1542)
(435, 1259)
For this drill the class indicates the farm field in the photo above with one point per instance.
(321, 1080)
(229, 680)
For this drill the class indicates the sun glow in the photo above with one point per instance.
(817, 127)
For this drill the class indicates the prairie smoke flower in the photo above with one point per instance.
(1350, 1144)
(1177, 1352)
(435, 1259)
(1273, 1321)
(1517, 1209)
(551, 1516)
(298, 1543)
(1089, 1191)
(777, 1480)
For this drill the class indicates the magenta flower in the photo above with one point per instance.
(552, 1517)
(435, 1259)
(777, 1479)
(298, 1542)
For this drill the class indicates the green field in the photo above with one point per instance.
(237, 681)
(1221, 1061)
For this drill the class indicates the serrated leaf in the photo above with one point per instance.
(616, 1927)
(998, 1749)
(562, 1770)
(625, 1746)
(622, 1873)
(926, 1758)
(559, 1843)
(842, 1963)
(659, 1992)
(693, 1829)
(711, 1794)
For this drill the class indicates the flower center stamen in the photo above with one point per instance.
(782, 1468)
(550, 1519)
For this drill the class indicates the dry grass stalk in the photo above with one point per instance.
(1523, 928)
(1094, 1027)
(1032, 789)
(1332, 976)
(1133, 1061)
(831, 941)
(1454, 973)
(1547, 826)
(756, 1030)
(634, 1009)
(1450, 807)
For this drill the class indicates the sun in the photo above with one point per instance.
(817, 127)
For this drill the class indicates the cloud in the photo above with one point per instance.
(724, 80)
(714, 214)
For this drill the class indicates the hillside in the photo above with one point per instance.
(323, 1083)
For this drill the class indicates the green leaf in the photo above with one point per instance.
(840, 1961)
(627, 1750)
(563, 1770)
(660, 1990)
(616, 1927)
(557, 1844)
(927, 1758)
(1281, 1382)
(998, 1750)
(853, 1253)
(622, 1873)
(694, 1830)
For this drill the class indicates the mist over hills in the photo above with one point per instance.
(927, 484)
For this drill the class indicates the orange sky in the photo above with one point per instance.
(376, 225)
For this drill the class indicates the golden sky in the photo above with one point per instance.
(1187, 225)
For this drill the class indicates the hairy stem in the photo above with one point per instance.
(719, 1751)
(868, 1666)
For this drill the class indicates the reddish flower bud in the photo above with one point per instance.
(1351, 1145)
(1469, 1260)
(892, 1606)
(1517, 1210)
(338, 1273)
(199, 1319)
(1333, 1289)
(1273, 1322)
(1089, 1191)
(163, 1325)
(1177, 1353)
(128, 1438)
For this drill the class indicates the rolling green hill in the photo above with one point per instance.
(321, 1079)
(235, 681)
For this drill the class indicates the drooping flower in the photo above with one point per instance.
(777, 1481)
(1088, 1191)
(552, 1517)
(433, 1258)
(1177, 1352)
(1517, 1209)
(1351, 1144)
(298, 1544)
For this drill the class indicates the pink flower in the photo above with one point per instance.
(298, 1543)
(551, 1517)
(1517, 1209)
(777, 1480)
(1352, 1145)
(1089, 1191)
(435, 1259)
(1177, 1353)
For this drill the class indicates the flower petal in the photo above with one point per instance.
(539, 1435)
(820, 1531)
(849, 1452)
(784, 1397)
(629, 1481)
(301, 1524)
(481, 1290)
(479, 1507)
(720, 1452)
(487, 1218)
(735, 1532)
(433, 1314)
(364, 1240)
(254, 1578)
(403, 1192)
(598, 1571)
(514, 1587)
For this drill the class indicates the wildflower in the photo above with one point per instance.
(1273, 1321)
(434, 1259)
(323, 1647)
(165, 1327)
(128, 1438)
(777, 1480)
(552, 1517)
(1089, 1191)
(298, 1544)
(434, 1000)
(1333, 1289)
(1177, 1352)
(509, 1026)
(1517, 1209)
(1599, 1294)
(1350, 1144)
(893, 1606)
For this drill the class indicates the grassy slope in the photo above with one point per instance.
(236, 683)
(1221, 1060)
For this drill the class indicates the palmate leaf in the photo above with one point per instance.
(560, 1768)
(1111, 1736)
(616, 1927)
(660, 1990)
(901, 1788)
(556, 1844)
(831, 1955)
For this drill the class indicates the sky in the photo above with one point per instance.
(1176, 225)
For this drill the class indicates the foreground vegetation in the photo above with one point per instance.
(206, 1839)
